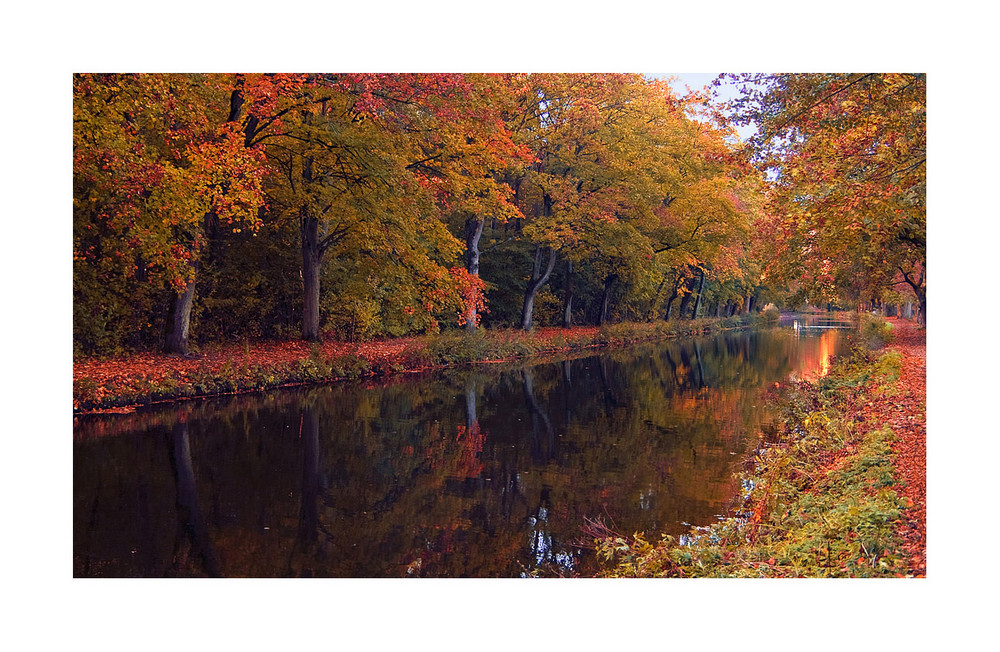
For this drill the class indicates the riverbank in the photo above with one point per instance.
(123, 383)
(841, 492)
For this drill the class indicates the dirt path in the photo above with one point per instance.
(906, 414)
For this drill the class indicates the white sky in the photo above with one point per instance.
(697, 81)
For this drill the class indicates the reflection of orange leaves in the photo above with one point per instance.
(470, 441)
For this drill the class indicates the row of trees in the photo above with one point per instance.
(225, 206)
(847, 154)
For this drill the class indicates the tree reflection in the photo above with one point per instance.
(192, 529)
(435, 476)
(543, 440)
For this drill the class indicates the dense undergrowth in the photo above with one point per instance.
(137, 381)
(822, 501)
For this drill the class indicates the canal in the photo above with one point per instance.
(489, 470)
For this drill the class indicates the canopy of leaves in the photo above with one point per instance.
(847, 153)
(644, 193)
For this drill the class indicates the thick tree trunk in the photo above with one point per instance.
(534, 283)
(701, 292)
(180, 320)
(609, 282)
(920, 291)
(568, 298)
(685, 301)
(311, 256)
(473, 232)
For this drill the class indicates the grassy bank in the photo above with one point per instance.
(142, 379)
(824, 500)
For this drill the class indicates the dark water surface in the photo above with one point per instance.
(484, 471)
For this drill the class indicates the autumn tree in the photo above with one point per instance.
(366, 203)
(575, 125)
(848, 156)
(681, 194)
(474, 162)
(159, 161)
(372, 164)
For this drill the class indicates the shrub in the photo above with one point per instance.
(875, 332)
(771, 314)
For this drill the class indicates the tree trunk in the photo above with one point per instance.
(920, 291)
(673, 295)
(311, 256)
(568, 298)
(473, 232)
(534, 283)
(609, 281)
(180, 313)
(701, 292)
(685, 301)
(180, 320)
(656, 296)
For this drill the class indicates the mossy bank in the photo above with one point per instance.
(823, 500)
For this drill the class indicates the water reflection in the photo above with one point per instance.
(477, 472)
(192, 528)
(829, 326)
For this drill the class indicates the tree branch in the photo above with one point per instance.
(333, 238)
(895, 172)
(820, 101)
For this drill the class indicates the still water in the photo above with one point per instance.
(484, 471)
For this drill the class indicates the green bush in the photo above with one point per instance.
(875, 332)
